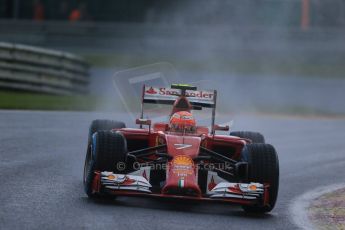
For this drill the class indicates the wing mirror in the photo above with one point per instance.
(141, 122)
(221, 127)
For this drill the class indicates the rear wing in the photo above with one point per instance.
(163, 95)
(168, 96)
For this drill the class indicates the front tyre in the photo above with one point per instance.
(263, 168)
(107, 150)
(89, 167)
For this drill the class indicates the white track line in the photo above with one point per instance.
(299, 207)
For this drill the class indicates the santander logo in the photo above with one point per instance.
(151, 91)
(167, 92)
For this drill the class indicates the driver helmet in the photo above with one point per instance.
(182, 121)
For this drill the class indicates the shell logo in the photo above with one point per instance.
(183, 160)
(112, 177)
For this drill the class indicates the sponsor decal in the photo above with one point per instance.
(182, 166)
(182, 146)
(235, 189)
(144, 175)
(212, 184)
(150, 91)
(124, 180)
(169, 93)
(187, 117)
(112, 177)
(183, 160)
(181, 183)
(128, 181)
(200, 94)
(252, 187)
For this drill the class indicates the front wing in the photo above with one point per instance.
(137, 184)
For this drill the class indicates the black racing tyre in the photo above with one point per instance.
(107, 151)
(89, 167)
(263, 168)
(98, 125)
(255, 137)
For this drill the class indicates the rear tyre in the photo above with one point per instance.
(263, 168)
(255, 137)
(107, 152)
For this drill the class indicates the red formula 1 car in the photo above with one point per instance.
(179, 159)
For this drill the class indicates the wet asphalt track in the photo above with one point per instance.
(42, 155)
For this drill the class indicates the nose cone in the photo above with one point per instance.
(181, 177)
(182, 172)
(183, 145)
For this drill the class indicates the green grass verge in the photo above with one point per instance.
(33, 101)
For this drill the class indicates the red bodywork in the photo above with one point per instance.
(157, 136)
